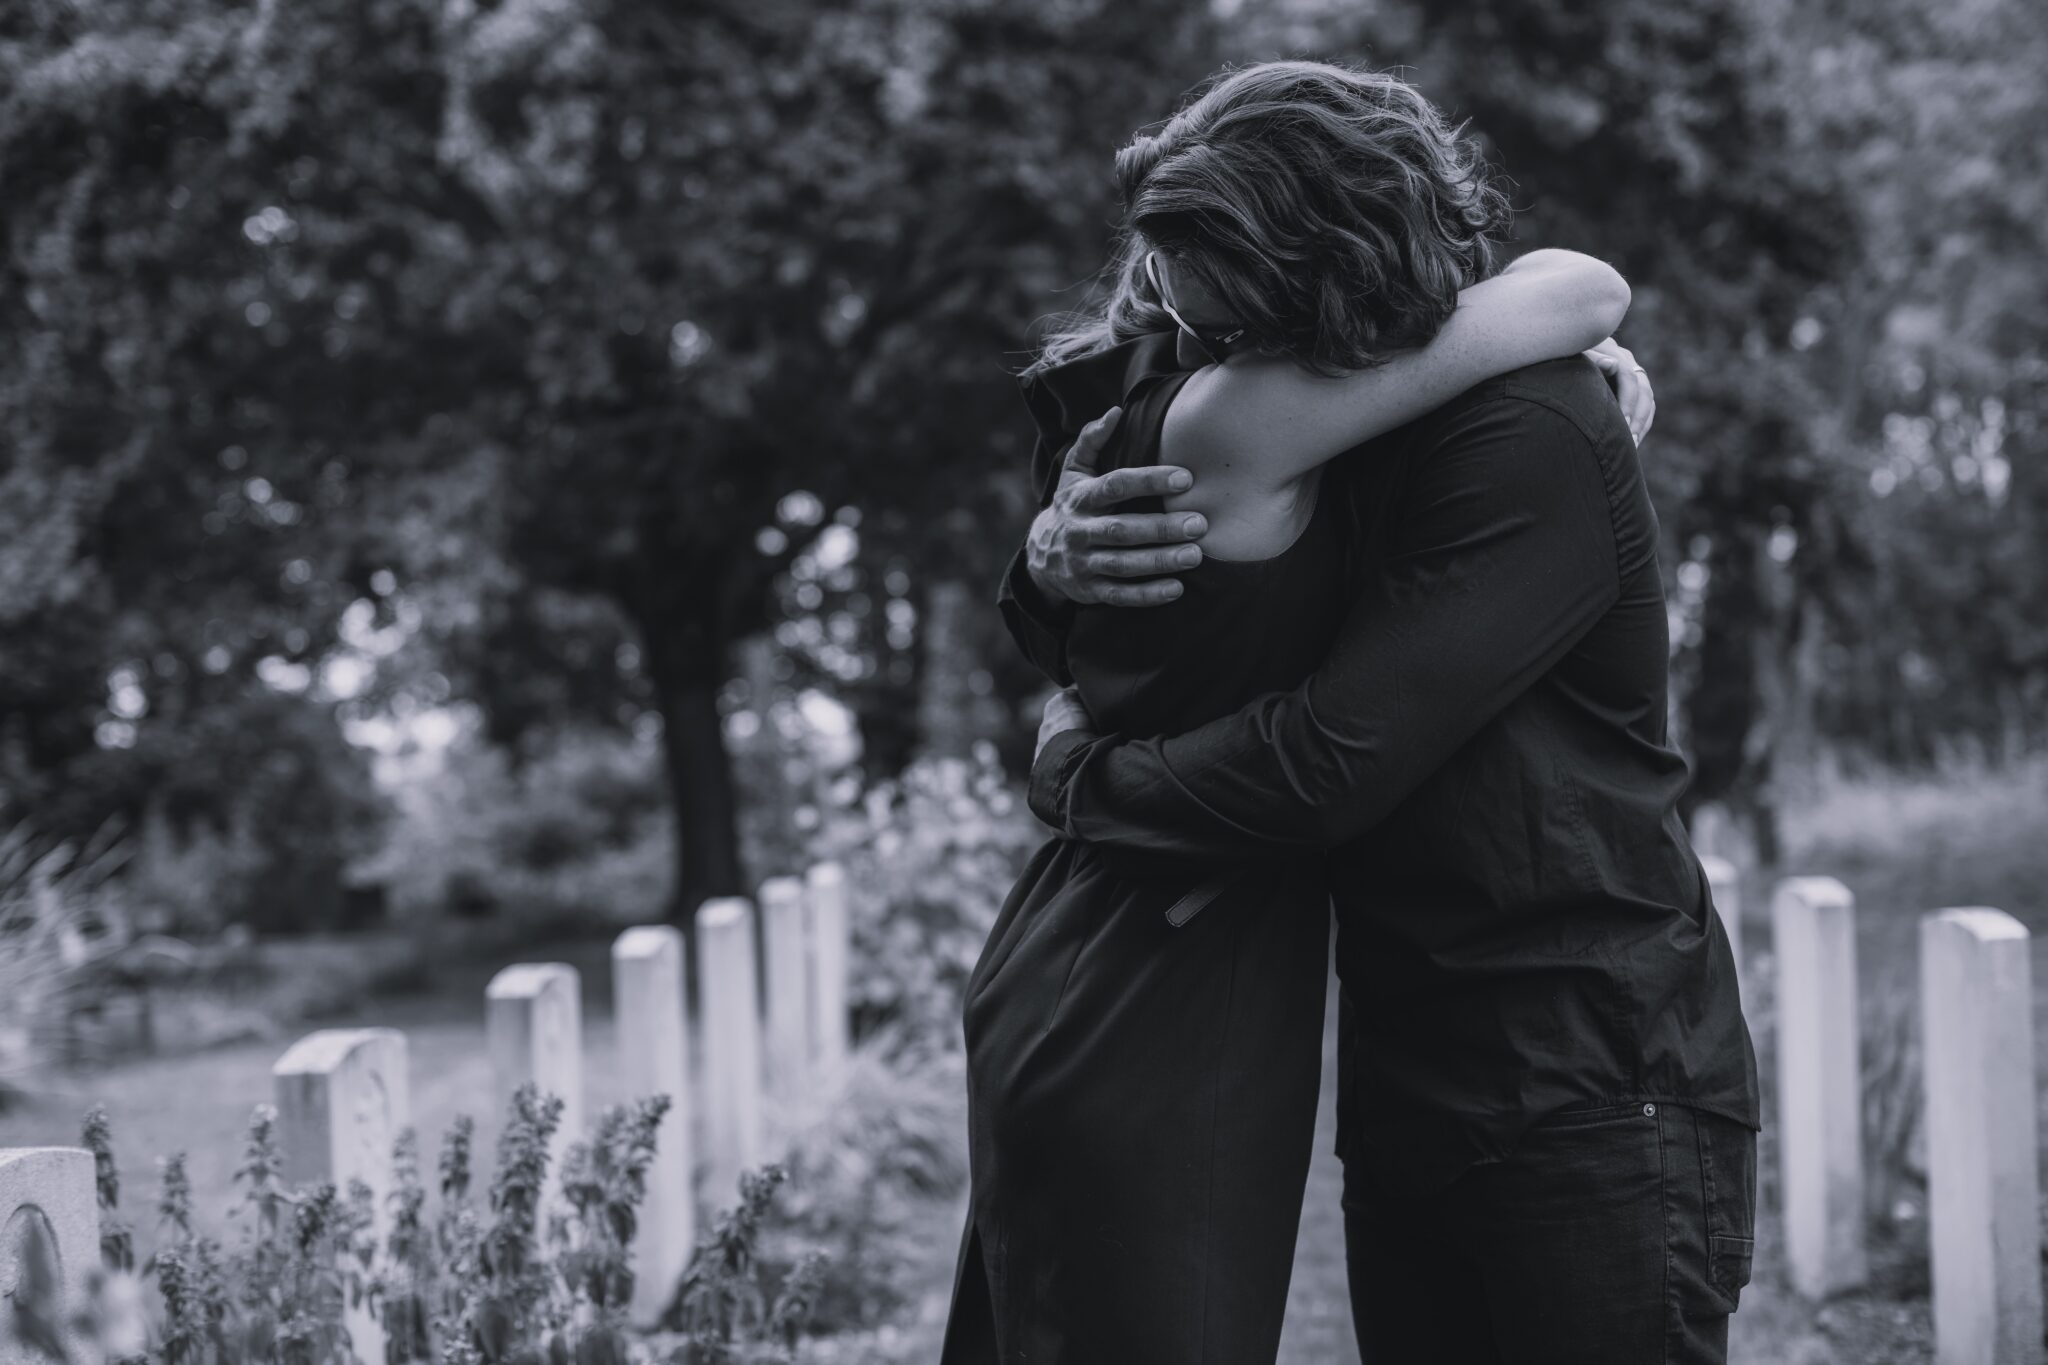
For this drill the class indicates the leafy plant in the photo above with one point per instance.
(117, 1243)
(404, 1283)
(604, 1180)
(542, 1278)
(735, 1305)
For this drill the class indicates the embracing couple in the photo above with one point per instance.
(1347, 566)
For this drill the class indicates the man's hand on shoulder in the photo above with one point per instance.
(1631, 385)
(1081, 550)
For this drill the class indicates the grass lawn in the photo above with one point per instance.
(1903, 848)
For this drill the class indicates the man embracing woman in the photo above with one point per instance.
(1347, 569)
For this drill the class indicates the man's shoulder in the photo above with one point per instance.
(1572, 388)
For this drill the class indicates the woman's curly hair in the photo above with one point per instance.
(1333, 210)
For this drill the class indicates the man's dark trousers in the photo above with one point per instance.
(1610, 1236)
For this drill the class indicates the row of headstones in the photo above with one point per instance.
(1977, 1038)
(343, 1095)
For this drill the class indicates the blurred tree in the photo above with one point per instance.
(170, 463)
(1933, 352)
(775, 253)
(572, 340)
(550, 307)
(1762, 171)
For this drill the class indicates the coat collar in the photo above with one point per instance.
(1069, 396)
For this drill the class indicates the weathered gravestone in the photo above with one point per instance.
(1984, 1191)
(732, 1046)
(1820, 1095)
(343, 1096)
(786, 938)
(533, 1025)
(49, 1206)
(654, 1050)
(831, 945)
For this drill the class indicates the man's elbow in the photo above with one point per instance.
(1342, 801)
(1334, 824)
(1333, 772)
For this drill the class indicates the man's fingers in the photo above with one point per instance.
(1155, 593)
(1143, 563)
(1085, 455)
(1144, 528)
(1121, 485)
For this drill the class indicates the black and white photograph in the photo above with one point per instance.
(1023, 682)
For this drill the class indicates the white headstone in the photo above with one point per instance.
(654, 1051)
(533, 1026)
(1820, 1099)
(785, 937)
(830, 962)
(1726, 884)
(342, 1098)
(49, 1189)
(732, 1046)
(1984, 1191)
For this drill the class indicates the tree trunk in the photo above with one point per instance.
(1729, 721)
(684, 666)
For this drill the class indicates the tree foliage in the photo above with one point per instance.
(542, 308)
(538, 351)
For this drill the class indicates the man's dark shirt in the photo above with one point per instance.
(1522, 924)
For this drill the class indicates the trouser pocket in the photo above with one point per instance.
(1710, 1208)
(1727, 1154)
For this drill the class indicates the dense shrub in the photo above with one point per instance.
(875, 1164)
(258, 810)
(930, 858)
(575, 826)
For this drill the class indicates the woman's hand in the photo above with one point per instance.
(1631, 385)
(1064, 711)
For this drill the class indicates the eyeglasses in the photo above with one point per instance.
(1214, 341)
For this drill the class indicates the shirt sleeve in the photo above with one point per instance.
(1502, 556)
